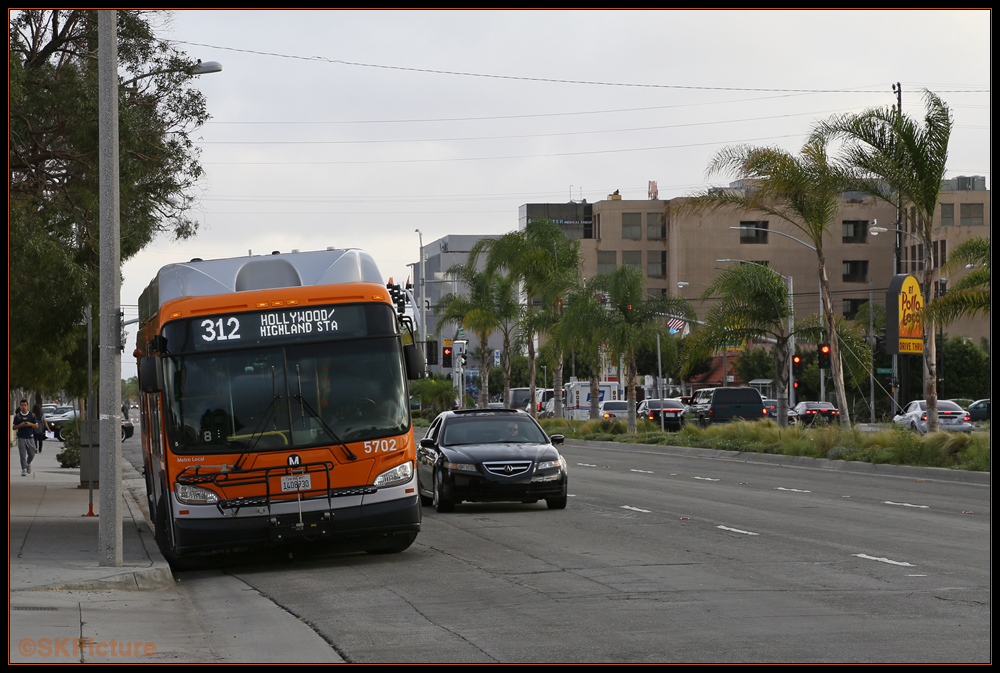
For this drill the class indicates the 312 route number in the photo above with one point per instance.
(214, 330)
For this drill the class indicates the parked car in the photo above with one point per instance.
(671, 410)
(979, 410)
(721, 405)
(951, 417)
(808, 412)
(613, 409)
(490, 455)
(543, 397)
(771, 410)
(58, 421)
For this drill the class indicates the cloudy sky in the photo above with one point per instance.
(355, 128)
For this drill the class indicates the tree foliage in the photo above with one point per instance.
(899, 159)
(53, 162)
(971, 295)
(801, 191)
(632, 319)
(752, 307)
(546, 265)
(489, 307)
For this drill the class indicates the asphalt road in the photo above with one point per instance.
(665, 558)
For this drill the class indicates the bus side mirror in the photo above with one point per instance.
(415, 364)
(150, 374)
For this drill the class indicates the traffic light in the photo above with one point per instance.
(824, 356)
(446, 356)
(797, 365)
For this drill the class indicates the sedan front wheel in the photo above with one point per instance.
(442, 503)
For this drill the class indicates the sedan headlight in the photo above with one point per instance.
(195, 495)
(461, 467)
(397, 475)
(560, 462)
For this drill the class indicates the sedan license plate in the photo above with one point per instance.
(296, 482)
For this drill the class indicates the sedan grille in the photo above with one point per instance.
(507, 468)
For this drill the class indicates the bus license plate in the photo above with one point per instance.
(296, 482)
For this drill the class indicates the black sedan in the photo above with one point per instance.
(672, 411)
(489, 455)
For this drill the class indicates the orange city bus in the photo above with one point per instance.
(275, 404)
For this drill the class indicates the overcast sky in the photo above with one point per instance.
(355, 128)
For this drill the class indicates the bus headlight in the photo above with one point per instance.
(397, 475)
(195, 495)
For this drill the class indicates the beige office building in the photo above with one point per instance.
(679, 251)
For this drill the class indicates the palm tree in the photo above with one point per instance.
(584, 310)
(753, 306)
(901, 161)
(544, 262)
(632, 319)
(970, 296)
(803, 192)
(489, 307)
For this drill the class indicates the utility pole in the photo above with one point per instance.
(110, 527)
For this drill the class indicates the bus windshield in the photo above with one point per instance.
(283, 397)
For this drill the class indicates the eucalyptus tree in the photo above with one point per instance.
(752, 306)
(544, 263)
(53, 173)
(902, 161)
(632, 319)
(801, 191)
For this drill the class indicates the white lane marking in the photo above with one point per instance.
(793, 490)
(737, 530)
(905, 504)
(882, 559)
(642, 471)
(705, 478)
(635, 509)
(586, 465)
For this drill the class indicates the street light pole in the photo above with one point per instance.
(110, 526)
(423, 295)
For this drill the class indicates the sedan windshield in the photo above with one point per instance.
(492, 430)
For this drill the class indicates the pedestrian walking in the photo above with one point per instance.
(42, 428)
(25, 424)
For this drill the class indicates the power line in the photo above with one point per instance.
(548, 80)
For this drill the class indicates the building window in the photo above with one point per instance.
(757, 262)
(656, 263)
(855, 231)
(856, 271)
(656, 226)
(632, 258)
(750, 232)
(607, 260)
(632, 225)
(972, 215)
(947, 214)
(852, 306)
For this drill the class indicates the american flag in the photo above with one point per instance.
(675, 325)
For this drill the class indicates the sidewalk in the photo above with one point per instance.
(58, 594)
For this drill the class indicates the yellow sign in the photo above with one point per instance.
(911, 328)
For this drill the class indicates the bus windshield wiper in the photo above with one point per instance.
(312, 412)
(258, 432)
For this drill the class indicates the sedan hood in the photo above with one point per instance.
(478, 453)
